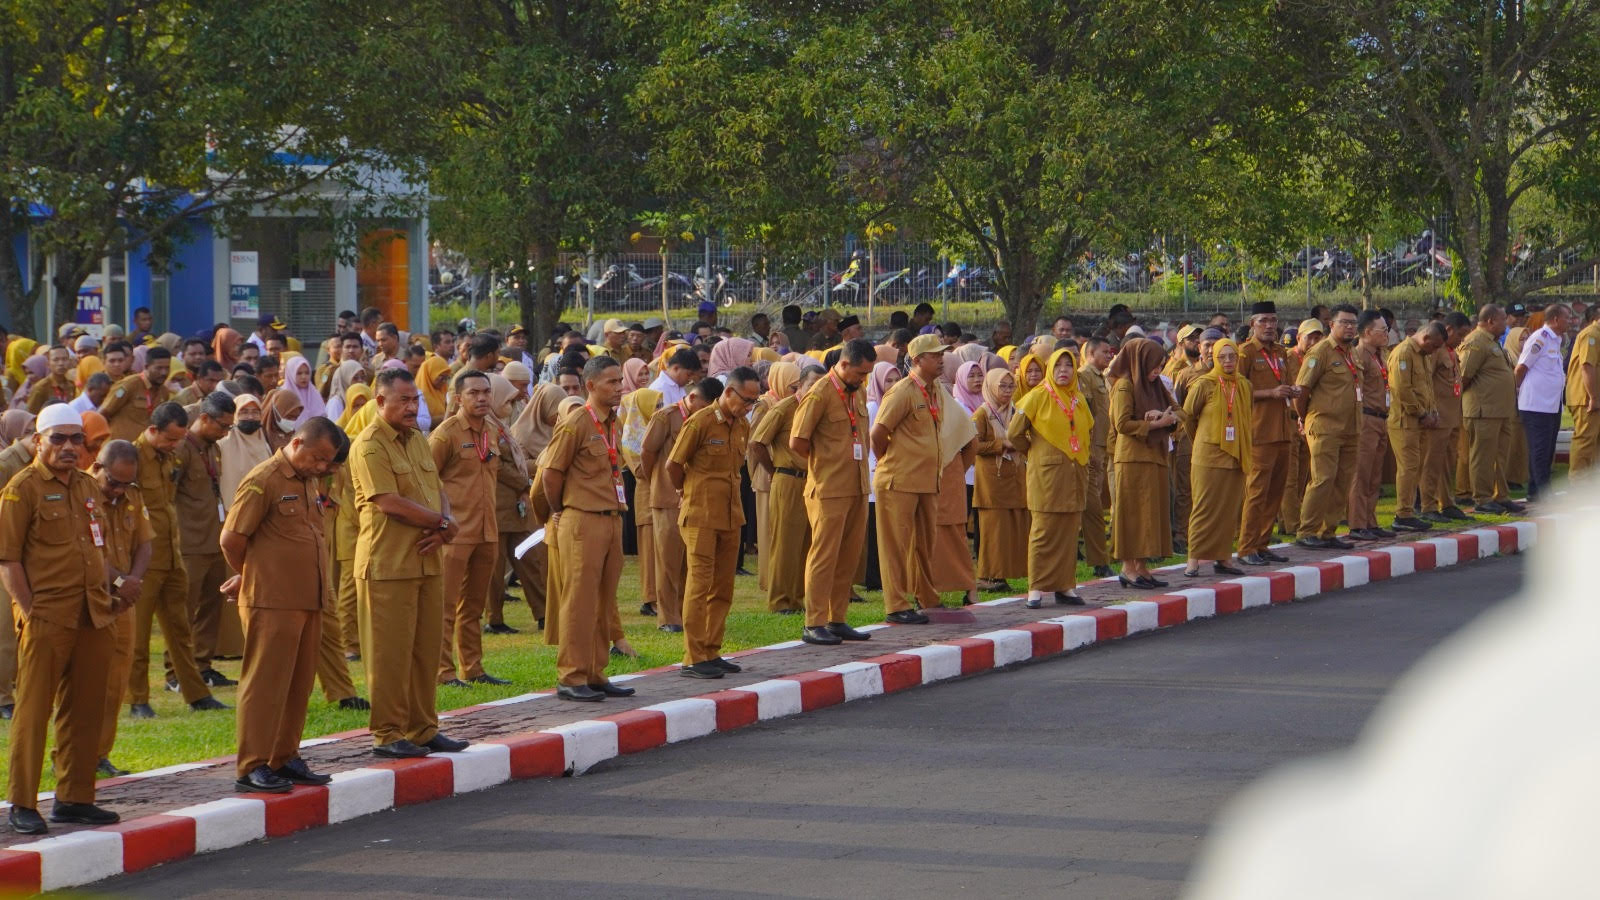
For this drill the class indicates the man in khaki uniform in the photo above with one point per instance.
(1583, 395)
(580, 474)
(165, 593)
(1097, 355)
(1310, 333)
(467, 456)
(405, 522)
(514, 520)
(199, 507)
(333, 668)
(1372, 441)
(1328, 403)
(52, 540)
(1414, 411)
(273, 538)
(905, 439)
(830, 434)
(55, 387)
(671, 555)
(133, 399)
(1439, 443)
(127, 551)
(1272, 433)
(1489, 409)
(704, 469)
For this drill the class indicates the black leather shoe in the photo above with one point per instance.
(453, 683)
(443, 743)
(356, 703)
(500, 628)
(486, 678)
(907, 617)
(1516, 508)
(261, 780)
(1150, 581)
(706, 669)
(1069, 598)
(1103, 572)
(647, 609)
(297, 771)
(401, 749)
(817, 634)
(1133, 584)
(1314, 543)
(1339, 543)
(207, 704)
(538, 624)
(611, 689)
(1034, 603)
(1411, 523)
(580, 693)
(845, 633)
(83, 814)
(1225, 569)
(1490, 507)
(27, 821)
(139, 711)
(213, 678)
(7, 710)
(857, 598)
(743, 571)
(670, 629)
(1454, 513)
(1274, 557)
(1361, 534)
(726, 665)
(108, 769)
(1437, 518)
(1255, 559)
(1381, 534)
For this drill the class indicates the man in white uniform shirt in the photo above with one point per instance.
(1541, 379)
(680, 370)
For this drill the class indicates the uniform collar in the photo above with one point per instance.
(37, 465)
(283, 467)
(391, 432)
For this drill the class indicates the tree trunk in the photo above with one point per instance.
(19, 299)
(537, 299)
(71, 272)
(1024, 291)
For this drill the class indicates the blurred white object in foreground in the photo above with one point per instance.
(1479, 775)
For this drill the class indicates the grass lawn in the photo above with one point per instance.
(178, 735)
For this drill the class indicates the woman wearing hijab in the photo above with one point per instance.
(433, 380)
(1053, 427)
(95, 432)
(636, 409)
(727, 355)
(15, 424)
(297, 381)
(1217, 413)
(357, 396)
(951, 567)
(780, 379)
(635, 374)
(282, 410)
(1030, 374)
(349, 372)
(88, 364)
(512, 513)
(1143, 419)
(18, 350)
(37, 368)
(999, 488)
(225, 347)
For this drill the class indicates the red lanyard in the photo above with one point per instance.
(933, 408)
(1069, 411)
(205, 457)
(1455, 370)
(482, 445)
(855, 435)
(1273, 364)
(610, 442)
(1228, 391)
(1355, 379)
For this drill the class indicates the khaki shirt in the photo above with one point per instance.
(1375, 377)
(346, 520)
(824, 419)
(773, 432)
(52, 389)
(998, 476)
(578, 449)
(1092, 384)
(127, 526)
(286, 556)
(1204, 405)
(511, 484)
(660, 436)
(711, 448)
(469, 481)
(1331, 387)
(1488, 379)
(49, 526)
(1268, 366)
(1585, 349)
(127, 406)
(1055, 483)
(1132, 431)
(199, 499)
(1446, 365)
(384, 461)
(760, 478)
(158, 485)
(911, 463)
(15, 458)
(189, 396)
(1411, 382)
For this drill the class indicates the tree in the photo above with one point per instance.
(543, 154)
(1486, 112)
(123, 120)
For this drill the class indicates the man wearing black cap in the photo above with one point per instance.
(1272, 427)
(849, 328)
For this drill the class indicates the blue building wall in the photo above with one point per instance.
(191, 288)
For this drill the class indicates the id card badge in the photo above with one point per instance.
(1227, 433)
(522, 508)
(622, 495)
(1386, 399)
(94, 532)
(222, 514)
(855, 449)
(1358, 393)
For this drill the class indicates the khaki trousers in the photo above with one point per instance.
(1096, 549)
(281, 647)
(708, 593)
(1488, 444)
(8, 651)
(1585, 449)
(789, 538)
(349, 629)
(1407, 444)
(1182, 492)
(67, 669)
(116, 679)
(763, 538)
(332, 670)
(1438, 468)
(1371, 446)
(401, 623)
(468, 569)
(1296, 476)
(590, 549)
(1270, 466)
(206, 573)
(165, 596)
(1332, 461)
(645, 541)
(905, 549)
(838, 542)
(671, 565)
(530, 571)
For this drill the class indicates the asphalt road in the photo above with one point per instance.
(1090, 776)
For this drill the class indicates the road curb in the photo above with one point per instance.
(84, 857)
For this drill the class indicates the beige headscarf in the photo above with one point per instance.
(956, 428)
(502, 396)
(534, 425)
(240, 452)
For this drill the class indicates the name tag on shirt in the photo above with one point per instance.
(856, 449)
(1227, 433)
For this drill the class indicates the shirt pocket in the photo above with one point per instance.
(292, 509)
(53, 524)
(405, 480)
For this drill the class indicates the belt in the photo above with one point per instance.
(1374, 413)
(601, 512)
(794, 473)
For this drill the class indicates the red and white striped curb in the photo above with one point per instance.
(87, 856)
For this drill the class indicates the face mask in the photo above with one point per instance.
(285, 424)
(248, 427)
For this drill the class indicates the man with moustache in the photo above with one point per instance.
(905, 440)
(133, 399)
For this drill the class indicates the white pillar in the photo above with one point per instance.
(221, 277)
(417, 273)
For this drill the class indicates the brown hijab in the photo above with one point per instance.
(534, 426)
(1135, 361)
(284, 404)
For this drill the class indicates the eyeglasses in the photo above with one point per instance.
(57, 438)
(113, 484)
(747, 399)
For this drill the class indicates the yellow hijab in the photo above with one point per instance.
(1059, 413)
(637, 408)
(1216, 428)
(1006, 353)
(87, 366)
(351, 394)
(432, 368)
(1023, 388)
(18, 350)
(363, 417)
